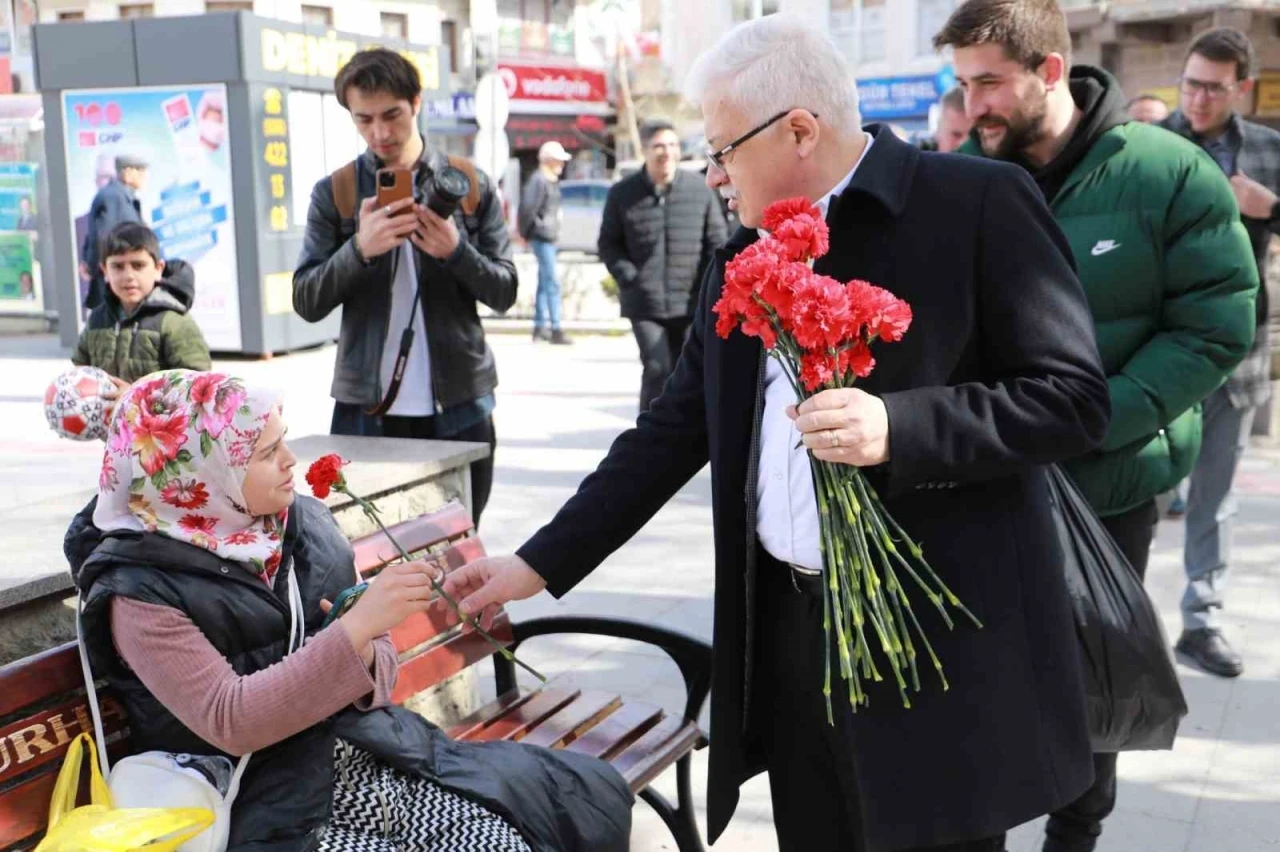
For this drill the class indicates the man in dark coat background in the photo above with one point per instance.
(116, 203)
(998, 376)
(659, 229)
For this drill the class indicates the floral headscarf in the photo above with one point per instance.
(177, 454)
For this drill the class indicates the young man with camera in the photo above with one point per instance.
(412, 361)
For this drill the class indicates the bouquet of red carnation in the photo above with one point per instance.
(821, 331)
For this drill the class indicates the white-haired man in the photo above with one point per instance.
(998, 376)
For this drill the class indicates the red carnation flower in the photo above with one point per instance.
(857, 360)
(887, 317)
(803, 237)
(816, 369)
(788, 208)
(822, 317)
(325, 474)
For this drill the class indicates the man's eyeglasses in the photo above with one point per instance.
(1213, 91)
(718, 157)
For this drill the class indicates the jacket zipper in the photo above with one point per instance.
(749, 573)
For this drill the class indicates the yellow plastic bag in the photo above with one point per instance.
(101, 827)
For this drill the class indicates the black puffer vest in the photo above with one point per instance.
(557, 801)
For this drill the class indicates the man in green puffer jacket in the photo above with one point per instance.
(1165, 263)
(143, 326)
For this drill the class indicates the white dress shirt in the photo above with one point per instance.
(786, 509)
(415, 398)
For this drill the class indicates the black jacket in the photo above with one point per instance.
(114, 205)
(998, 376)
(557, 800)
(539, 216)
(657, 247)
(330, 275)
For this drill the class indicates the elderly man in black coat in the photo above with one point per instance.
(659, 229)
(998, 376)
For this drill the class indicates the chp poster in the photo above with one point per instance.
(181, 132)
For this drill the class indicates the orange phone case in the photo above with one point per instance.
(402, 188)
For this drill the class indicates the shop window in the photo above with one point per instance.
(320, 16)
(137, 10)
(228, 6)
(859, 28)
(71, 15)
(394, 25)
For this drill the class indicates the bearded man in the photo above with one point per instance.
(1165, 263)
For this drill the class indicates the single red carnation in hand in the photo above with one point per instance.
(780, 211)
(325, 474)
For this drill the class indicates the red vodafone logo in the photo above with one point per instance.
(510, 81)
(551, 83)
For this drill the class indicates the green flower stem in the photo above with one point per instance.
(372, 513)
(918, 553)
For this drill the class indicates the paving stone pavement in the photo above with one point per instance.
(559, 409)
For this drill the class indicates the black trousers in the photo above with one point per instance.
(1076, 827)
(810, 763)
(352, 420)
(660, 342)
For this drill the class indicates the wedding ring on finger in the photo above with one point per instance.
(834, 436)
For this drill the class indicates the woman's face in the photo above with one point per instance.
(268, 480)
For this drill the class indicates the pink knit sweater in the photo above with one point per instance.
(239, 714)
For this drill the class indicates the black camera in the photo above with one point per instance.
(447, 187)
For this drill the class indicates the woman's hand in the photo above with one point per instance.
(396, 593)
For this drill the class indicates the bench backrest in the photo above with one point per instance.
(42, 697)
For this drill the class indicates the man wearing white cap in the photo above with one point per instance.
(540, 225)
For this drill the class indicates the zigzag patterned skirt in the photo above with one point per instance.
(377, 809)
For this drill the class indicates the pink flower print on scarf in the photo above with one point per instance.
(176, 460)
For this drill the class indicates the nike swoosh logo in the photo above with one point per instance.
(1104, 246)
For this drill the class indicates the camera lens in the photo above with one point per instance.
(386, 179)
(448, 186)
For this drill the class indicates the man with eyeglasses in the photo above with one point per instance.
(998, 376)
(659, 229)
(1216, 76)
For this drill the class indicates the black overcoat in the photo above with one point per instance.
(998, 376)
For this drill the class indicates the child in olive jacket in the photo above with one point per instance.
(144, 325)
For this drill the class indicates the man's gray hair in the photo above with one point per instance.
(776, 63)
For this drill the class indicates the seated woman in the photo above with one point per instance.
(183, 561)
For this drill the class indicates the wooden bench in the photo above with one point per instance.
(42, 704)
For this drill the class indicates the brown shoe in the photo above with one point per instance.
(559, 338)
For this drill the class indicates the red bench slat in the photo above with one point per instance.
(586, 710)
(644, 759)
(523, 717)
(619, 730)
(373, 550)
(486, 714)
(25, 682)
(451, 656)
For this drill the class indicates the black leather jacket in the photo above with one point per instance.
(330, 274)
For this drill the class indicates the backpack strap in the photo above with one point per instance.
(343, 183)
(471, 203)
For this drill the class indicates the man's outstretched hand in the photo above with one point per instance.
(486, 584)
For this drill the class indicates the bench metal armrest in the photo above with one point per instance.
(690, 654)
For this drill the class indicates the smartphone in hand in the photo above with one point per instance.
(345, 601)
(394, 184)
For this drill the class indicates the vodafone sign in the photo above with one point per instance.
(552, 89)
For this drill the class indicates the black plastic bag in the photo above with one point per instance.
(1134, 700)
